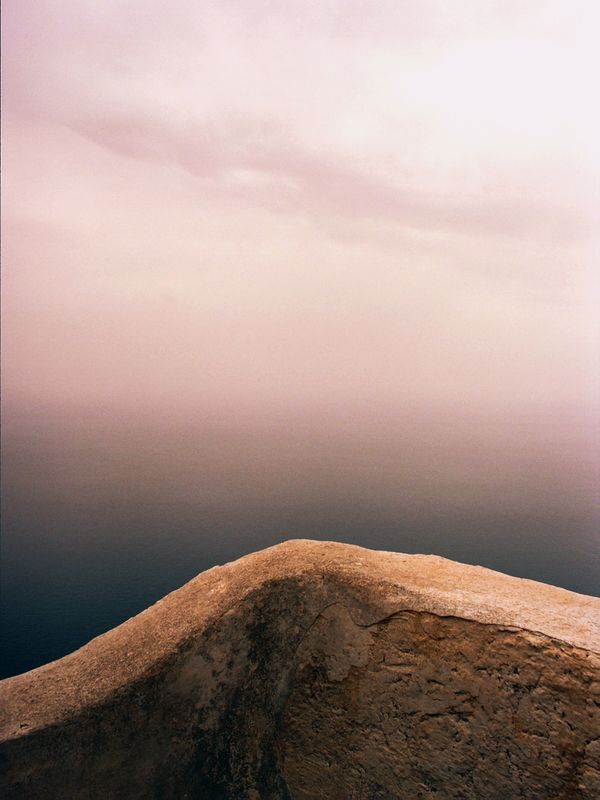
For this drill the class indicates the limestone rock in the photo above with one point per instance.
(321, 670)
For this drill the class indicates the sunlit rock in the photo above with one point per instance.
(321, 670)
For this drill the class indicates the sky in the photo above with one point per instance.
(355, 243)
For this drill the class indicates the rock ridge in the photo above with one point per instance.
(317, 669)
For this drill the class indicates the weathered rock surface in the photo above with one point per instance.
(321, 670)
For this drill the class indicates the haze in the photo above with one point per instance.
(277, 269)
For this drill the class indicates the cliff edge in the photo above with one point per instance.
(321, 670)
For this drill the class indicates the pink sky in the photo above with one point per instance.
(274, 205)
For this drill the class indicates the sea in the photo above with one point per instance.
(107, 510)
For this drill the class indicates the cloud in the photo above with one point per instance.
(255, 160)
(407, 120)
(302, 201)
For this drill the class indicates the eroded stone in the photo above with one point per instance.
(315, 670)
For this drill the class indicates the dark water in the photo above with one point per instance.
(104, 513)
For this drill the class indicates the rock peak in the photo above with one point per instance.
(318, 669)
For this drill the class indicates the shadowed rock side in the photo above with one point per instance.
(321, 670)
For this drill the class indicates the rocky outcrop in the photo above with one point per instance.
(321, 670)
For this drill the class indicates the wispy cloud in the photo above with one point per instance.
(416, 182)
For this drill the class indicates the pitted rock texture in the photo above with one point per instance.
(431, 706)
(321, 670)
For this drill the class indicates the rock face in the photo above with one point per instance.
(321, 670)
